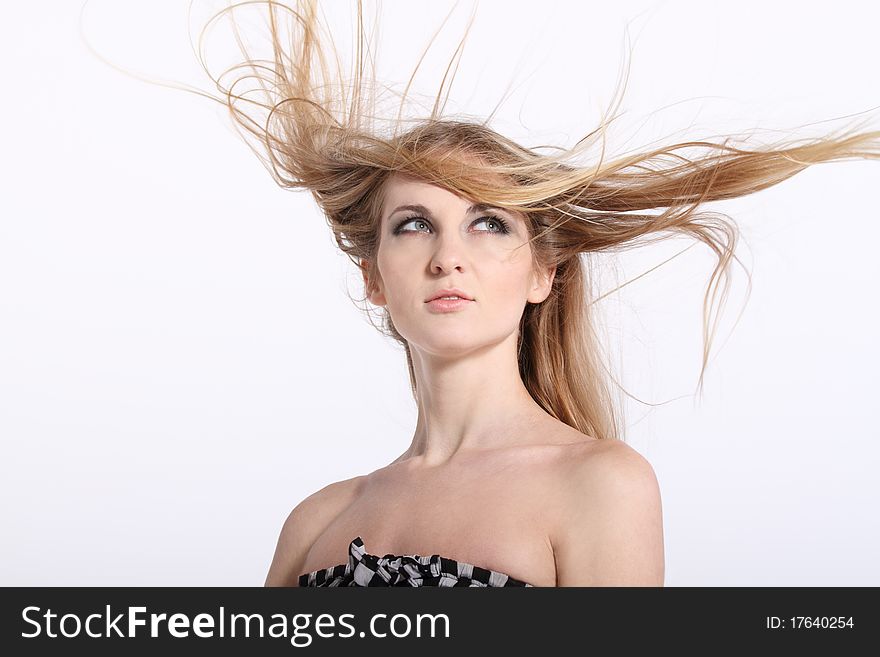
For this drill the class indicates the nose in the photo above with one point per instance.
(448, 254)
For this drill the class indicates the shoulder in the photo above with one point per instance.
(610, 531)
(325, 504)
(607, 466)
(304, 524)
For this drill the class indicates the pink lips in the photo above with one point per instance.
(447, 305)
(450, 292)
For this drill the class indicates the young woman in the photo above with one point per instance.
(494, 489)
(476, 252)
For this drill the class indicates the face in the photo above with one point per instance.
(447, 243)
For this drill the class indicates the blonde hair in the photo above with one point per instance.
(319, 135)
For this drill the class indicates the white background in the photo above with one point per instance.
(180, 364)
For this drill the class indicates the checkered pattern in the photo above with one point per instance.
(365, 569)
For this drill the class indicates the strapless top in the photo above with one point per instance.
(365, 569)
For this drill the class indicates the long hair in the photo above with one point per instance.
(317, 131)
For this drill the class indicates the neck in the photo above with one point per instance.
(470, 402)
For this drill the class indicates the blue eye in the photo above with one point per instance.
(503, 227)
(406, 221)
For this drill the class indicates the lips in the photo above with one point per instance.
(450, 292)
(448, 305)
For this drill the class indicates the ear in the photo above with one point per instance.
(374, 290)
(541, 285)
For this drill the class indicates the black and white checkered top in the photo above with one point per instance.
(365, 569)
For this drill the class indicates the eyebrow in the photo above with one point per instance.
(476, 207)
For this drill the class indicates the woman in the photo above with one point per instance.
(491, 479)
(477, 253)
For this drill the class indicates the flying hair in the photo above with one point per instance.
(315, 129)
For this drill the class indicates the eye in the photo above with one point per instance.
(409, 220)
(502, 226)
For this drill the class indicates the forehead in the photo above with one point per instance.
(403, 190)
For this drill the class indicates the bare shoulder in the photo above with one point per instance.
(304, 524)
(611, 533)
(603, 462)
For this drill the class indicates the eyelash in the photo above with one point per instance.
(504, 227)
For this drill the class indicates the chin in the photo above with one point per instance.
(449, 342)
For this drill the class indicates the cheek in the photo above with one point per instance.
(512, 269)
(398, 275)
(506, 288)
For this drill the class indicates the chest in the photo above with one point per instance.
(495, 519)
